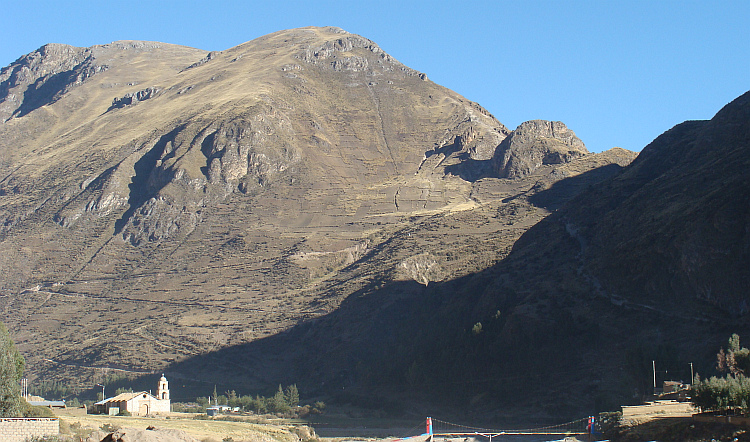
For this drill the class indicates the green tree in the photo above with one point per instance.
(292, 395)
(232, 399)
(11, 370)
(731, 392)
(261, 404)
(277, 403)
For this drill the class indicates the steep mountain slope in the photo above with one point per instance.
(160, 202)
(651, 264)
(672, 229)
(679, 228)
(648, 265)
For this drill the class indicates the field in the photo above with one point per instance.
(201, 429)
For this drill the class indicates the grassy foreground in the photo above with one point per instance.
(201, 429)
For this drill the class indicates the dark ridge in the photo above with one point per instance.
(145, 184)
(206, 148)
(563, 190)
(470, 169)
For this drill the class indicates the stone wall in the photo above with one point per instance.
(19, 429)
(741, 421)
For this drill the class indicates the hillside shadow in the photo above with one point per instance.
(144, 184)
(396, 341)
(566, 189)
(470, 169)
(46, 91)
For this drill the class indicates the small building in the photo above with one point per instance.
(46, 403)
(141, 403)
(216, 409)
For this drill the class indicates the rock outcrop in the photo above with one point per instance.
(132, 98)
(536, 143)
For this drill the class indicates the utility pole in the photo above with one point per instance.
(103, 396)
(653, 365)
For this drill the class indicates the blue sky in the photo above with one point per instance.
(618, 73)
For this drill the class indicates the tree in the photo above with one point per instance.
(232, 399)
(292, 395)
(731, 392)
(277, 403)
(735, 360)
(11, 370)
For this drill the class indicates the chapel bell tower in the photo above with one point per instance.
(162, 392)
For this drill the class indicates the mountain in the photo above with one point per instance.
(647, 266)
(289, 202)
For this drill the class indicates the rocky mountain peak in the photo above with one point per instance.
(535, 143)
(37, 78)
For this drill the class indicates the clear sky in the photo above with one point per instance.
(618, 73)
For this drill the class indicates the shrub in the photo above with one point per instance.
(188, 407)
(722, 394)
(732, 392)
(36, 411)
(11, 369)
(609, 422)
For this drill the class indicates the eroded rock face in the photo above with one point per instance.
(535, 143)
(42, 76)
(132, 98)
(249, 152)
(423, 268)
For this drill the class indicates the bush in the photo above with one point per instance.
(188, 407)
(609, 422)
(36, 411)
(11, 369)
(76, 430)
(731, 392)
(722, 394)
